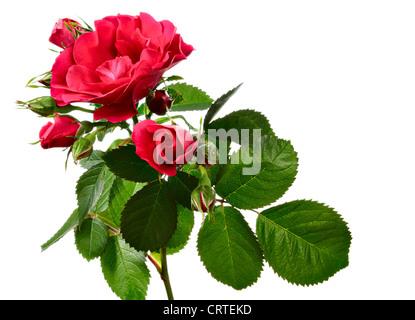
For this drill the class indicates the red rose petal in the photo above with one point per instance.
(116, 112)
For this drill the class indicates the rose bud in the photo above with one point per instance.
(43, 106)
(83, 147)
(164, 147)
(203, 198)
(59, 134)
(158, 102)
(64, 33)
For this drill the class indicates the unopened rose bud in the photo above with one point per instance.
(158, 102)
(82, 148)
(59, 134)
(43, 106)
(65, 32)
(203, 198)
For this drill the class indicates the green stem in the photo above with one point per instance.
(165, 119)
(155, 262)
(106, 222)
(129, 131)
(148, 115)
(135, 119)
(71, 108)
(165, 274)
(255, 211)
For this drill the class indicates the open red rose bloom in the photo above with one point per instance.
(164, 147)
(117, 64)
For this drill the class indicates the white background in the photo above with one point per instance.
(337, 78)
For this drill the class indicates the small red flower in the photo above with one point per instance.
(61, 133)
(164, 147)
(61, 35)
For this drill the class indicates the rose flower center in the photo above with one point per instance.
(115, 69)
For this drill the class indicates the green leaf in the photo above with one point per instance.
(229, 249)
(71, 223)
(182, 185)
(214, 170)
(304, 241)
(217, 105)
(185, 222)
(276, 168)
(243, 119)
(94, 159)
(149, 218)
(121, 191)
(125, 163)
(125, 270)
(89, 189)
(91, 238)
(143, 109)
(102, 203)
(173, 78)
(191, 98)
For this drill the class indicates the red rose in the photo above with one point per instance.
(164, 147)
(61, 133)
(117, 64)
(61, 35)
(158, 102)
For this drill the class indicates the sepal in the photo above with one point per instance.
(43, 106)
(82, 148)
(203, 198)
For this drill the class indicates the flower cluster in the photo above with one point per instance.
(136, 199)
(112, 68)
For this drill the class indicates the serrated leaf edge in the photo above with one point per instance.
(348, 250)
(256, 238)
(232, 114)
(132, 248)
(295, 177)
(101, 177)
(218, 104)
(192, 86)
(88, 258)
(131, 200)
